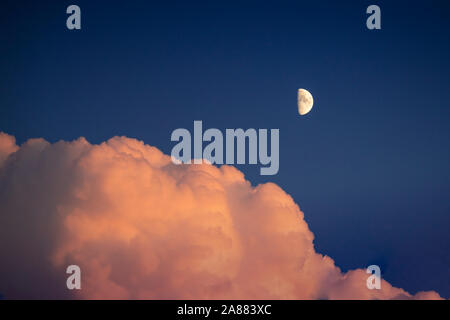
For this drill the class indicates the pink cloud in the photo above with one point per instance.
(141, 227)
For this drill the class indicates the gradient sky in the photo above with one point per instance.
(369, 166)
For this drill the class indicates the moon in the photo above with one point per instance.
(305, 101)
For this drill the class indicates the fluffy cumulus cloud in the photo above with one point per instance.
(141, 227)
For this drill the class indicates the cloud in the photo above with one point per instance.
(141, 227)
(7, 146)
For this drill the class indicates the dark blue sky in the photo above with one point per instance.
(369, 165)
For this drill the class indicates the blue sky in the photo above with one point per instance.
(369, 165)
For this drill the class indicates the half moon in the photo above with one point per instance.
(305, 101)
